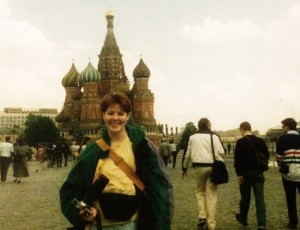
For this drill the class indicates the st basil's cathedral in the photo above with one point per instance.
(85, 90)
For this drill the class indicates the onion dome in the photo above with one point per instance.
(71, 79)
(141, 70)
(90, 74)
(62, 117)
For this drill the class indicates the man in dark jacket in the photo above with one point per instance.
(288, 158)
(249, 175)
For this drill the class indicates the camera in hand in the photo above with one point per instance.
(82, 206)
(86, 203)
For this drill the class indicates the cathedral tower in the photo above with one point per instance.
(84, 92)
(110, 64)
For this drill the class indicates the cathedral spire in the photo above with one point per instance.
(110, 63)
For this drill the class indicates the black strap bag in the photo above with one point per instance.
(219, 173)
(117, 206)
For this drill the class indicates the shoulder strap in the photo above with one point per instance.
(119, 161)
(251, 143)
(212, 146)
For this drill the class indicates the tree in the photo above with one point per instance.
(40, 129)
(77, 134)
(189, 130)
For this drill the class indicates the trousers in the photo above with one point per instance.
(206, 195)
(253, 179)
(4, 165)
(290, 189)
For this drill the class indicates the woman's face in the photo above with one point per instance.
(115, 118)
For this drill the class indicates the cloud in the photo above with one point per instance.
(285, 34)
(28, 63)
(5, 12)
(213, 31)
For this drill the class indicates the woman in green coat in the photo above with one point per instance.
(120, 205)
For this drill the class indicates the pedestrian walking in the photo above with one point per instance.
(41, 156)
(135, 193)
(20, 168)
(6, 152)
(173, 151)
(164, 151)
(75, 152)
(249, 175)
(64, 148)
(200, 153)
(50, 153)
(288, 159)
(228, 147)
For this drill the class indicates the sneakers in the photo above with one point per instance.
(201, 224)
(239, 219)
(261, 228)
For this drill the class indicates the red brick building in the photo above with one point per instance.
(85, 90)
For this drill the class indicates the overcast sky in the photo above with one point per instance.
(226, 60)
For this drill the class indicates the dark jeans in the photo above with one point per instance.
(290, 188)
(166, 160)
(4, 164)
(253, 179)
(174, 156)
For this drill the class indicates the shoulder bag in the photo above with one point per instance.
(219, 173)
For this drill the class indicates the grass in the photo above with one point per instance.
(34, 203)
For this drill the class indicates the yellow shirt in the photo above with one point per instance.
(118, 181)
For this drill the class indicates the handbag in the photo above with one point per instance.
(262, 161)
(219, 173)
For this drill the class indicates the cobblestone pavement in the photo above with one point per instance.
(33, 204)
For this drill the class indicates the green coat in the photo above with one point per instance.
(155, 212)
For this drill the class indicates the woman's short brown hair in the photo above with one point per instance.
(116, 98)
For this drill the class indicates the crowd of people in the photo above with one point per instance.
(48, 155)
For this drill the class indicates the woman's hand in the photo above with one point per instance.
(89, 214)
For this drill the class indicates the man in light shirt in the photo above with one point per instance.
(6, 151)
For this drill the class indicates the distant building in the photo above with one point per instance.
(15, 117)
(85, 90)
(12, 120)
(275, 132)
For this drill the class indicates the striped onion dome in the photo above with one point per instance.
(71, 79)
(90, 74)
(141, 70)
